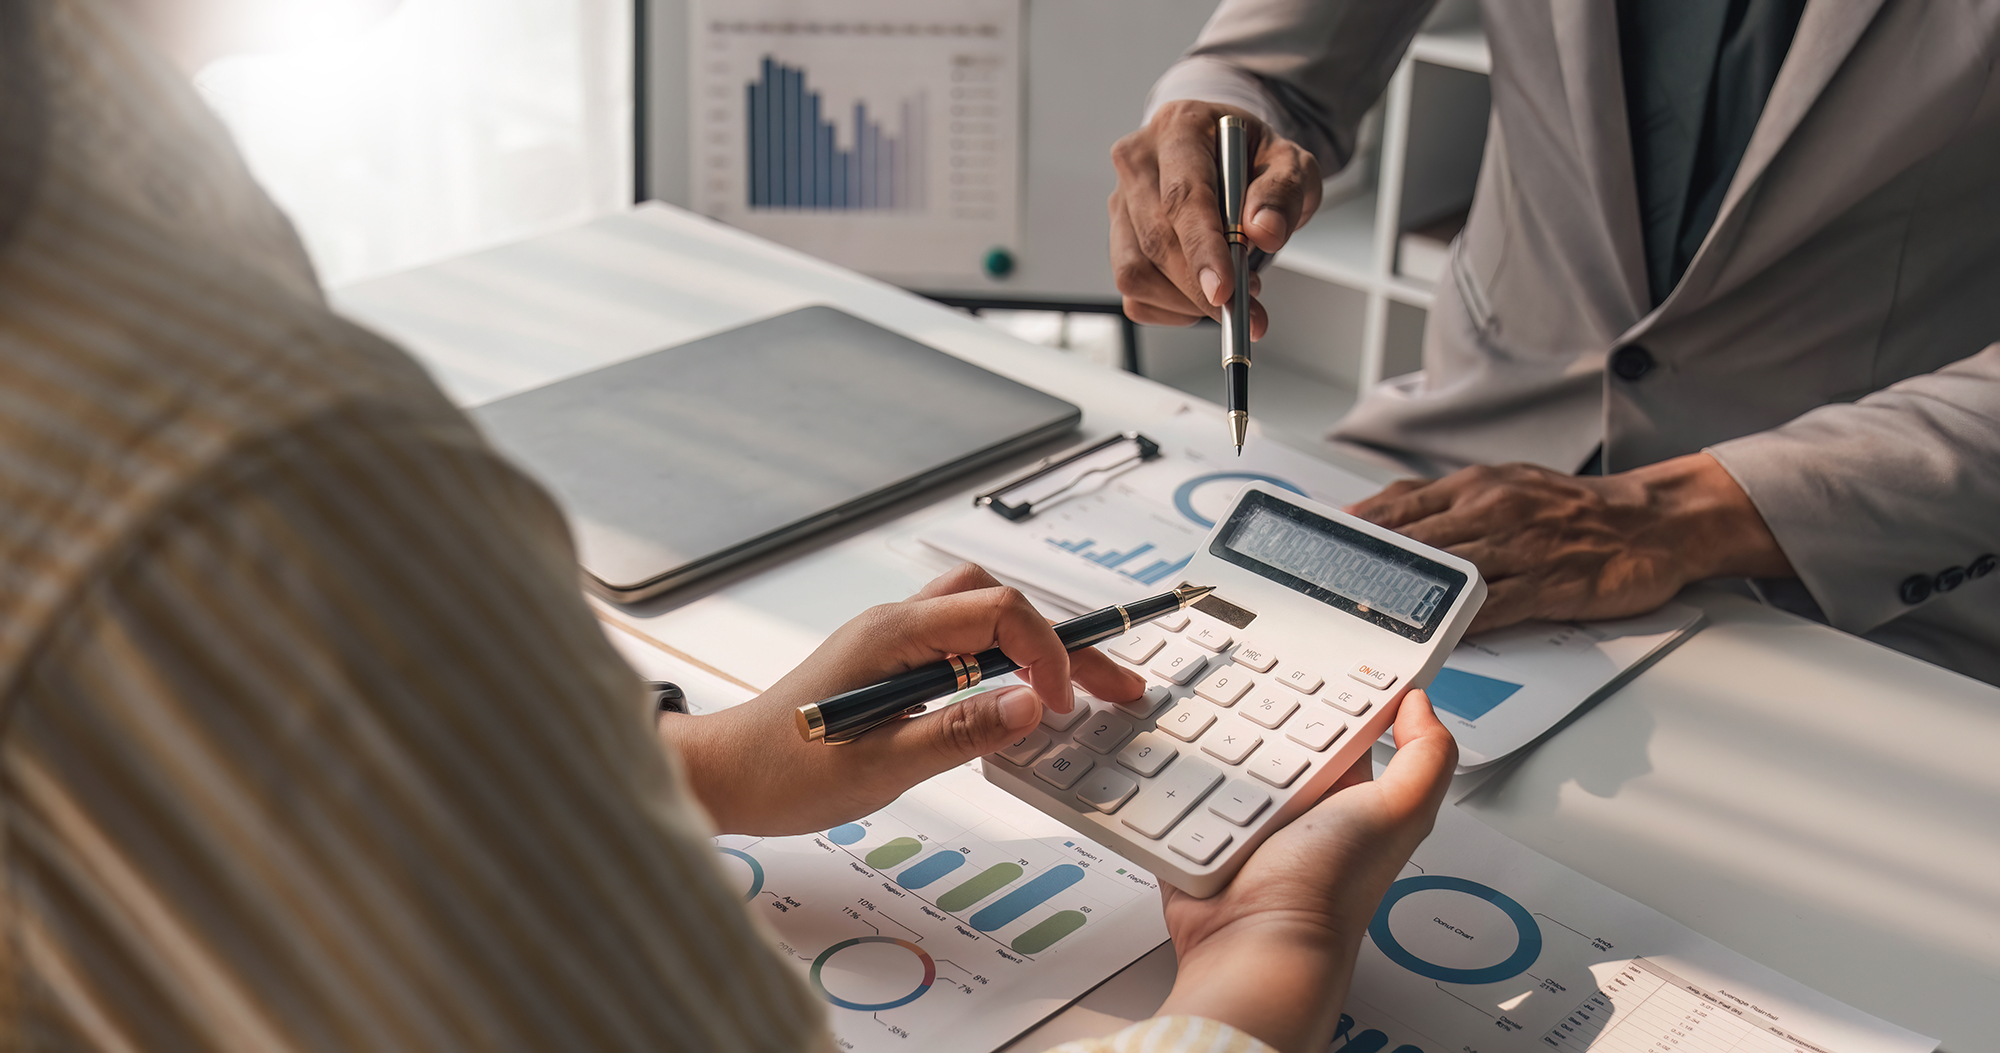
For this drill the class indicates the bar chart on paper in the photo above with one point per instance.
(879, 134)
(939, 922)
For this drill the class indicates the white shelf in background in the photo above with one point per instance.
(1338, 245)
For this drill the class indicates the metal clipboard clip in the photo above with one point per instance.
(1045, 483)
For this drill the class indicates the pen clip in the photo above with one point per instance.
(1144, 449)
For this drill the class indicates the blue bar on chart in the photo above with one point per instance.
(931, 868)
(847, 834)
(1468, 695)
(1027, 897)
(1113, 560)
(1158, 570)
(1073, 546)
(794, 160)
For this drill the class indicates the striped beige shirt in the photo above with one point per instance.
(309, 742)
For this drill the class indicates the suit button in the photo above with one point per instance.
(1980, 567)
(1915, 589)
(1631, 362)
(1950, 578)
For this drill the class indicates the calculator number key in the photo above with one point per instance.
(1137, 645)
(1024, 750)
(1188, 719)
(1230, 741)
(1106, 789)
(1269, 710)
(1064, 721)
(1240, 801)
(1179, 664)
(1064, 767)
(1104, 732)
(1148, 702)
(1148, 753)
(1224, 686)
(1200, 839)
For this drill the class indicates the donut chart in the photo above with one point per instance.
(819, 965)
(756, 871)
(1184, 495)
(1527, 948)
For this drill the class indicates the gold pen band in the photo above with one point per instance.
(966, 668)
(1233, 359)
(1125, 616)
(1235, 235)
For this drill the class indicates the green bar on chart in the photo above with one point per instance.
(979, 886)
(1048, 931)
(893, 853)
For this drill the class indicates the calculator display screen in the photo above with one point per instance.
(1372, 579)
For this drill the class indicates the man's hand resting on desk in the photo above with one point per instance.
(1580, 547)
(1168, 253)
(1273, 952)
(755, 775)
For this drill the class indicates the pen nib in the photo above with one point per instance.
(1239, 423)
(1190, 593)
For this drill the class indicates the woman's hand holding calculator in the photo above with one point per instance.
(1272, 953)
(754, 774)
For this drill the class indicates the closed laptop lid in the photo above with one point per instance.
(683, 461)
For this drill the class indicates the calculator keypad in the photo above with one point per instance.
(1224, 729)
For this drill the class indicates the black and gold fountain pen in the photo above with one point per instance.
(1233, 157)
(844, 717)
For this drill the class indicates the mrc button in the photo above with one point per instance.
(1373, 675)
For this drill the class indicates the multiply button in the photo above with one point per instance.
(1230, 740)
(1373, 675)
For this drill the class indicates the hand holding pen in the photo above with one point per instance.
(1232, 156)
(755, 774)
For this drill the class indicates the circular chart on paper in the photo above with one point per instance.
(755, 884)
(1456, 931)
(1204, 497)
(873, 973)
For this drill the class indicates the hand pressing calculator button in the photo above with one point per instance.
(1217, 755)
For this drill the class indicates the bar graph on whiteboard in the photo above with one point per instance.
(880, 134)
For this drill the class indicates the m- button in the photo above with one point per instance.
(1373, 675)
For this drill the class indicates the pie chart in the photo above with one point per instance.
(1455, 931)
(873, 973)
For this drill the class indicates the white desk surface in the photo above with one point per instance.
(1823, 805)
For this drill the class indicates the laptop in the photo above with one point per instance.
(689, 460)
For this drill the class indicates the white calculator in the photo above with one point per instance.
(1258, 697)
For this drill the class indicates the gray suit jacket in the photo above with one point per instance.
(1829, 343)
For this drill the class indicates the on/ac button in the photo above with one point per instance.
(1373, 676)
